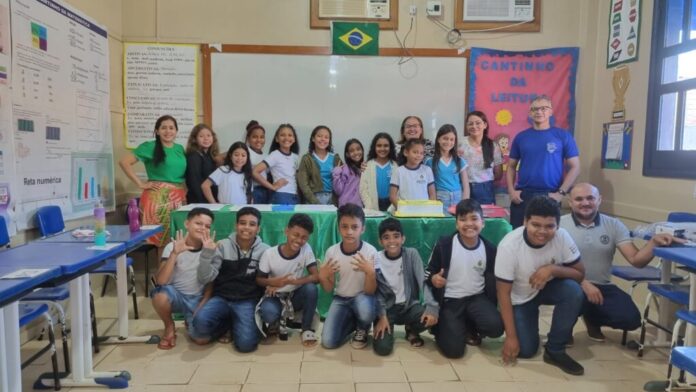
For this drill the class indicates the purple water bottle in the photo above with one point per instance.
(133, 215)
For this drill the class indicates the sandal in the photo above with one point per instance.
(167, 343)
(414, 339)
(309, 338)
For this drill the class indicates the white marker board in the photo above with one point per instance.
(354, 96)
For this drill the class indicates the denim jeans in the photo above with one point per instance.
(483, 192)
(180, 303)
(616, 311)
(260, 195)
(304, 298)
(324, 197)
(284, 198)
(517, 210)
(567, 298)
(219, 315)
(449, 198)
(345, 315)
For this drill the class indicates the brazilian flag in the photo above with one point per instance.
(351, 38)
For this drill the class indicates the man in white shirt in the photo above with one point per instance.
(539, 264)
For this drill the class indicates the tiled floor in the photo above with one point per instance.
(285, 366)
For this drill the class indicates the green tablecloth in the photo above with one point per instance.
(421, 233)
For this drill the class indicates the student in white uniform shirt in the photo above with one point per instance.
(399, 286)
(460, 274)
(349, 273)
(413, 180)
(539, 264)
(282, 273)
(233, 178)
(283, 162)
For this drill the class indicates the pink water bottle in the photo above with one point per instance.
(133, 215)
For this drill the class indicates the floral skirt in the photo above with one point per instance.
(157, 206)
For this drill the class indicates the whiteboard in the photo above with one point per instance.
(354, 96)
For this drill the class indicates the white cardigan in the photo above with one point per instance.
(368, 185)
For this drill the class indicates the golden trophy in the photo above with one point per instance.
(620, 83)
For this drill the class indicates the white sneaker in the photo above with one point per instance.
(359, 339)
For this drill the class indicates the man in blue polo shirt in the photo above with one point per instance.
(543, 152)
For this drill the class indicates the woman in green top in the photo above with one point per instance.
(165, 165)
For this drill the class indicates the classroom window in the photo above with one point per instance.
(670, 137)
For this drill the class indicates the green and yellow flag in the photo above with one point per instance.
(351, 38)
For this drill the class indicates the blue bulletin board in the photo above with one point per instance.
(616, 145)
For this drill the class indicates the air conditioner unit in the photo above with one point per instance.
(370, 9)
(498, 10)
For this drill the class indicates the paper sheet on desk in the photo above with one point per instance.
(615, 136)
(103, 247)
(211, 207)
(260, 207)
(24, 273)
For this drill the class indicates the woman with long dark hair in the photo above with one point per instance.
(165, 165)
(483, 157)
(201, 150)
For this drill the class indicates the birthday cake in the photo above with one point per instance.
(419, 209)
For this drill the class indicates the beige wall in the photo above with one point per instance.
(286, 22)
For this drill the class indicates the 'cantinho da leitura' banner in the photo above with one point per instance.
(502, 84)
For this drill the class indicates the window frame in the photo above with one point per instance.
(675, 163)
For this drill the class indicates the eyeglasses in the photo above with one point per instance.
(412, 126)
(540, 109)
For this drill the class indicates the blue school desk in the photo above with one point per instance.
(74, 261)
(120, 234)
(11, 290)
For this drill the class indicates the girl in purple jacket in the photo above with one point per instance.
(346, 178)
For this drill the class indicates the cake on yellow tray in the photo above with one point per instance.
(419, 209)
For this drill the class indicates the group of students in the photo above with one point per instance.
(243, 290)
(411, 169)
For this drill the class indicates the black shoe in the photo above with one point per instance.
(564, 362)
(593, 331)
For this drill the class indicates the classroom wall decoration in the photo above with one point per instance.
(502, 84)
(624, 32)
(159, 79)
(350, 38)
(60, 111)
(7, 166)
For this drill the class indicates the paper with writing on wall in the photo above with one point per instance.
(614, 143)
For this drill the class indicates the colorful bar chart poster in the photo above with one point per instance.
(60, 118)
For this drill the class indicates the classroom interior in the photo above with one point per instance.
(286, 366)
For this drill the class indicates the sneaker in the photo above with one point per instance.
(593, 331)
(359, 339)
(564, 362)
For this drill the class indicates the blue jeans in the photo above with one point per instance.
(617, 310)
(180, 303)
(284, 198)
(260, 195)
(324, 197)
(345, 315)
(304, 298)
(483, 192)
(219, 315)
(449, 198)
(517, 210)
(567, 298)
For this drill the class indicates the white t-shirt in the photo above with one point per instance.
(412, 183)
(350, 282)
(231, 185)
(393, 272)
(255, 158)
(185, 274)
(284, 166)
(276, 264)
(465, 276)
(516, 260)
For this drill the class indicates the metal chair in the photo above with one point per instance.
(27, 314)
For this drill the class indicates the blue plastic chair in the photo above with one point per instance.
(27, 314)
(675, 293)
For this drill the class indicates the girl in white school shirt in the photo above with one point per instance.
(283, 162)
(233, 178)
(256, 140)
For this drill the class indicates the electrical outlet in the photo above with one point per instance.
(434, 8)
(412, 10)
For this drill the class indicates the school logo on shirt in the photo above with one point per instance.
(604, 239)
(551, 147)
(421, 179)
(480, 267)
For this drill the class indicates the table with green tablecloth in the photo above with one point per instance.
(421, 233)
